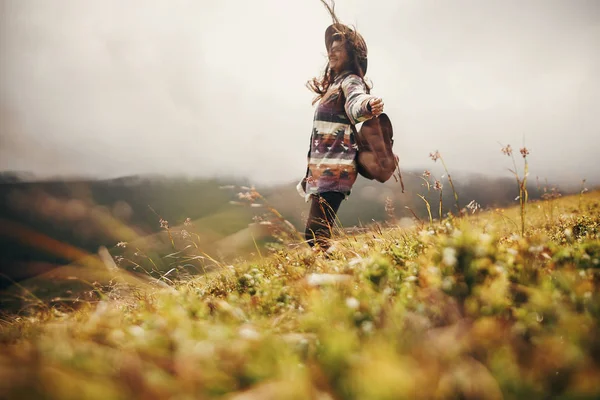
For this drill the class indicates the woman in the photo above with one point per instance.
(343, 101)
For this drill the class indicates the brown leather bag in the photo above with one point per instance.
(376, 159)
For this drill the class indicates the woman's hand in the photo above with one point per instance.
(376, 106)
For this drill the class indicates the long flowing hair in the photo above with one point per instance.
(351, 41)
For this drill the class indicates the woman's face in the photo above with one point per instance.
(338, 56)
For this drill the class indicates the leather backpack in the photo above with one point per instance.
(375, 139)
(375, 158)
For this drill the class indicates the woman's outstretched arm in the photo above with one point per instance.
(359, 105)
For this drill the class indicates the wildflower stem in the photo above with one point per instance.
(581, 192)
(25, 290)
(521, 192)
(139, 266)
(426, 182)
(524, 194)
(440, 210)
(451, 185)
(415, 215)
(256, 245)
(280, 217)
(428, 209)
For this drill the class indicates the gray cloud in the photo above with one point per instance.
(205, 88)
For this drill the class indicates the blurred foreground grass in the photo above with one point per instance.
(465, 308)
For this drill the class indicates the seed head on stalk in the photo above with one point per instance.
(521, 182)
(437, 156)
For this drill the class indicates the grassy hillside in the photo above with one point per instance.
(463, 308)
(87, 214)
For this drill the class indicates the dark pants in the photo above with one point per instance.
(321, 219)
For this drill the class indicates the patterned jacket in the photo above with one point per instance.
(331, 164)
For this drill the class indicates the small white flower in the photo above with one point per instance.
(137, 331)
(485, 238)
(367, 326)
(352, 303)
(538, 317)
(326, 279)
(248, 332)
(354, 261)
(244, 196)
(536, 249)
(447, 283)
(473, 206)
(433, 270)
(449, 256)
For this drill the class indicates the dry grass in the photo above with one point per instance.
(467, 308)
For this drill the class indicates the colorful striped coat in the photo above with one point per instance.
(331, 164)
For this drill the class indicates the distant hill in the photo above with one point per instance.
(53, 222)
(85, 214)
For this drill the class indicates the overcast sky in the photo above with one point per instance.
(117, 87)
